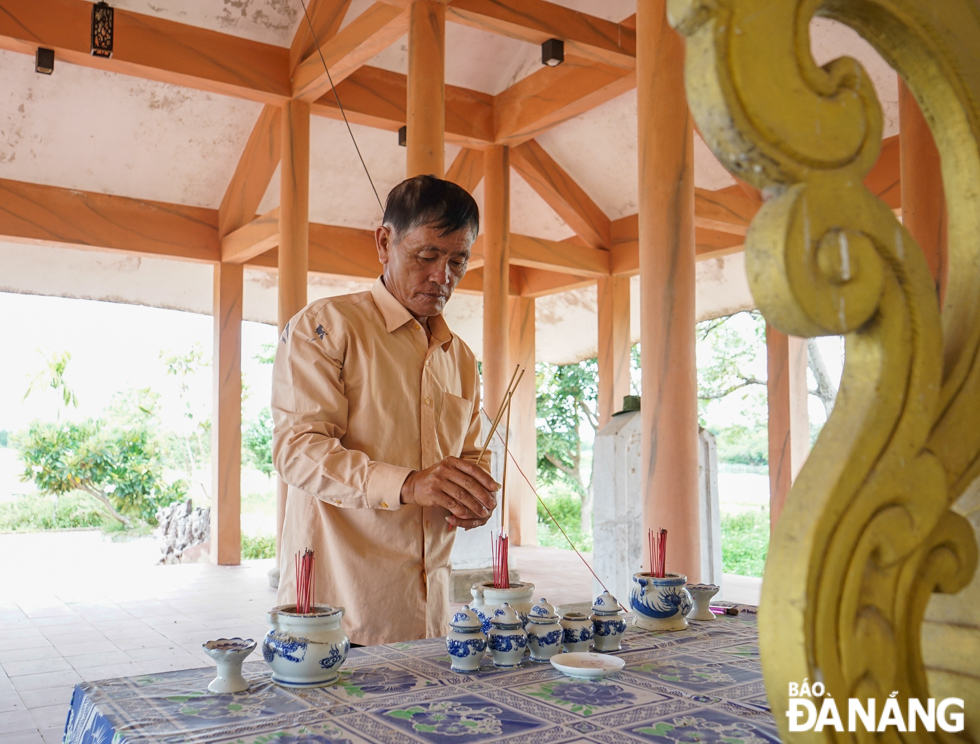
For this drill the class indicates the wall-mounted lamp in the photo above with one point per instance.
(553, 52)
(102, 29)
(44, 61)
(403, 136)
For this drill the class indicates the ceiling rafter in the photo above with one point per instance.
(467, 169)
(326, 17)
(562, 193)
(255, 169)
(371, 32)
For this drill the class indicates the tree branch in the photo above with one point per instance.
(745, 382)
(105, 502)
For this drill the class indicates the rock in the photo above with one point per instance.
(181, 527)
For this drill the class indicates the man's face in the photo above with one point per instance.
(423, 268)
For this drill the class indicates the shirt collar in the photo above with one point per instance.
(396, 315)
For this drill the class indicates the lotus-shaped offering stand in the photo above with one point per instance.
(702, 594)
(228, 655)
(660, 603)
(305, 649)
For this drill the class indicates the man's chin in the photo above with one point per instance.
(427, 306)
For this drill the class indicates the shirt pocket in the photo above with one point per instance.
(453, 423)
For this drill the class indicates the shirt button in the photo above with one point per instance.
(384, 505)
(428, 401)
(418, 327)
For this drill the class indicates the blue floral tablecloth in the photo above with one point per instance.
(703, 684)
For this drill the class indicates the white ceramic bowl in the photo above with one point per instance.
(587, 665)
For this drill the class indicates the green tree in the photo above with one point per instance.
(566, 396)
(192, 446)
(257, 442)
(52, 377)
(120, 467)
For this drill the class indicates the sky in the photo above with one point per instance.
(114, 347)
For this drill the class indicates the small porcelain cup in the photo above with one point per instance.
(228, 655)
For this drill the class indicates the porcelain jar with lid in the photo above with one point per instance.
(660, 602)
(609, 623)
(544, 632)
(487, 598)
(305, 649)
(507, 637)
(578, 632)
(466, 642)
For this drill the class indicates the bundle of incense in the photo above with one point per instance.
(504, 405)
(501, 572)
(305, 581)
(658, 552)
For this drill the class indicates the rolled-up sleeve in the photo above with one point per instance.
(310, 417)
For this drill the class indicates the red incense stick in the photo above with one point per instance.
(658, 552)
(305, 581)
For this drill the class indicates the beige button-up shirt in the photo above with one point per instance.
(360, 398)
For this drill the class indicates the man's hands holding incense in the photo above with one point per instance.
(462, 487)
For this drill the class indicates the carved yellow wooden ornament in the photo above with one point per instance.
(867, 534)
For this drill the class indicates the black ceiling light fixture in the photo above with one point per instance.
(44, 61)
(102, 18)
(403, 136)
(553, 52)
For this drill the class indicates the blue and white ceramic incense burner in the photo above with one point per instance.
(544, 632)
(660, 603)
(466, 642)
(305, 649)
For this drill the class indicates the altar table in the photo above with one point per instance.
(703, 684)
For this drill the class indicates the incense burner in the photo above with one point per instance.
(507, 638)
(578, 632)
(228, 655)
(660, 603)
(544, 632)
(466, 642)
(608, 620)
(305, 649)
(702, 594)
(487, 599)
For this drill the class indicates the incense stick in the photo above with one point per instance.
(504, 521)
(305, 581)
(658, 552)
(511, 386)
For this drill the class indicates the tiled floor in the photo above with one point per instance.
(75, 608)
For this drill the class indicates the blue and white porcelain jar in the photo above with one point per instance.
(609, 623)
(578, 632)
(305, 649)
(487, 599)
(660, 603)
(507, 637)
(544, 632)
(466, 642)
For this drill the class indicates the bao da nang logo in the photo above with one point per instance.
(811, 709)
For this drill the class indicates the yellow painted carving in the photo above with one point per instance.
(867, 534)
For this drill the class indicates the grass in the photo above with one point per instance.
(258, 546)
(745, 542)
(34, 512)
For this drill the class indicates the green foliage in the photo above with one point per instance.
(729, 350)
(53, 378)
(266, 355)
(119, 466)
(34, 512)
(566, 506)
(4, 438)
(258, 546)
(744, 446)
(745, 542)
(257, 442)
(565, 395)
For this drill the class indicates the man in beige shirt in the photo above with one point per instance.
(376, 411)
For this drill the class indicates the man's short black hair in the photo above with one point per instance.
(427, 200)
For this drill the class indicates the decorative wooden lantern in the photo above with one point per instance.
(102, 19)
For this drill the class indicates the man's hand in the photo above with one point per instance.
(462, 487)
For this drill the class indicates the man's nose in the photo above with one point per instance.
(442, 274)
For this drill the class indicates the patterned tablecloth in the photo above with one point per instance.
(703, 684)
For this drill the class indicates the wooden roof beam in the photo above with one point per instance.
(326, 17)
(467, 169)
(561, 193)
(536, 21)
(563, 257)
(370, 33)
(149, 47)
(255, 169)
(376, 98)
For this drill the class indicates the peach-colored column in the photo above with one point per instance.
(522, 512)
(425, 118)
(496, 275)
(226, 428)
(666, 240)
(923, 197)
(789, 421)
(614, 345)
(294, 232)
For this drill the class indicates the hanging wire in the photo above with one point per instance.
(341, 106)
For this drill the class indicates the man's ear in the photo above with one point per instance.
(382, 238)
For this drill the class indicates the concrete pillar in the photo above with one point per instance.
(923, 197)
(522, 516)
(789, 421)
(667, 289)
(426, 110)
(226, 419)
(496, 275)
(614, 345)
(294, 232)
